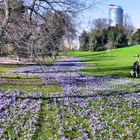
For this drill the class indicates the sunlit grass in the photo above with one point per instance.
(117, 62)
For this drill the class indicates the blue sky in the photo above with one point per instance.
(130, 7)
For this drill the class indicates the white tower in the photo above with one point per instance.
(115, 15)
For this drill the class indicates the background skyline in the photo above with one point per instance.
(101, 10)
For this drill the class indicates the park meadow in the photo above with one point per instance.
(69, 70)
(93, 97)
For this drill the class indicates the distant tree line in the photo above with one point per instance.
(104, 37)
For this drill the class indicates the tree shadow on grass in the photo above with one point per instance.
(10, 64)
(101, 58)
(84, 54)
(22, 84)
(110, 71)
(100, 94)
(19, 78)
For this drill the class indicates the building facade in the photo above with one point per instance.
(115, 15)
(72, 44)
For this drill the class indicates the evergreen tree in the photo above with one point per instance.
(135, 39)
(84, 41)
(112, 37)
(117, 37)
(98, 40)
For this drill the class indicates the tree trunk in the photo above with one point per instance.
(6, 18)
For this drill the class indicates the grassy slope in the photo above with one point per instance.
(117, 62)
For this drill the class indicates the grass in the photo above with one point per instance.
(49, 124)
(121, 119)
(116, 112)
(116, 62)
(116, 117)
(24, 82)
(30, 84)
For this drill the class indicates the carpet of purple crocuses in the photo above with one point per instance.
(89, 108)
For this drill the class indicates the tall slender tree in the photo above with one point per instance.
(84, 41)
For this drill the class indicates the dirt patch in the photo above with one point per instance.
(10, 60)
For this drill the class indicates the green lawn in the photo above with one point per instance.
(117, 62)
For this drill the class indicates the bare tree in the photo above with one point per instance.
(7, 16)
(128, 26)
(99, 24)
(37, 24)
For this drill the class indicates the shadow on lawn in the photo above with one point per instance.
(52, 72)
(22, 84)
(101, 94)
(100, 58)
(111, 71)
(92, 54)
(10, 64)
(19, 78)
(64, 63)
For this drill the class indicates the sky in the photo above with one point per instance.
(100, 10)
